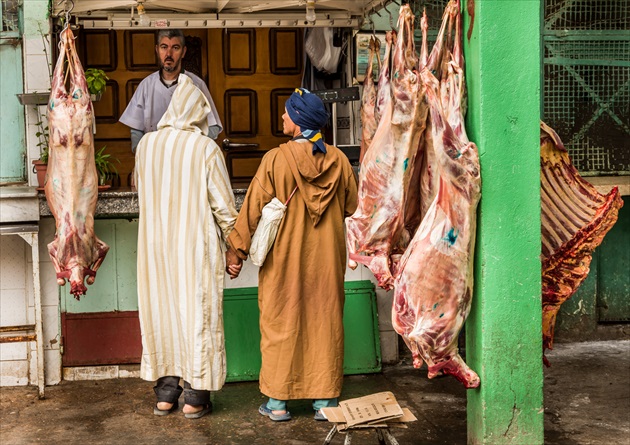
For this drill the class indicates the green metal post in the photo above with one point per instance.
(503, 331)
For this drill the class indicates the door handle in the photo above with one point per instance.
(227, 145)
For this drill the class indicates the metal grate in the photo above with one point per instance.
(586, 95)
(587, 15)
(10, 14)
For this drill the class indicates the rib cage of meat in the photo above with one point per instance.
(575, 217)
(376, 230)
(72, 182)
(433, 290)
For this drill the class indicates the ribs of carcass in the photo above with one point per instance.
(433, 290)
(575, 217)
(376, 230)
(368, 99)
(72, 181)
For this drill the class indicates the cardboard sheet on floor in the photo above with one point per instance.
(379, 410)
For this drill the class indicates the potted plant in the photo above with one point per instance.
(40, 166)
(96, 81)
(104, 166)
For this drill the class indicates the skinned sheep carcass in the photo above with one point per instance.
(72, 181)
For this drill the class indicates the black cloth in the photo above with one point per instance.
(167, 390)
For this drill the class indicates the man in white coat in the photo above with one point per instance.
(186, 213)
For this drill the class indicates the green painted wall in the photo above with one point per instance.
(115, 287)
(35, 18)
(503, 333)
(12, 146)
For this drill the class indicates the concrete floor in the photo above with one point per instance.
(587, 401)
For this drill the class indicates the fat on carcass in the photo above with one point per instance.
(368, 98)
(575, 217)
(423, 184)
(72, 181)
(376, 230)
(434, 288)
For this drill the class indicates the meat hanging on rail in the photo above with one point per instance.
(575, 217)
(419, 187)
(376, 231)
(72, 181)
(434, 286)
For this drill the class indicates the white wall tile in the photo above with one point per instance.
(14, 373)
(384, 304)
(13, 351)
(12, 261)
(13, 311)
(37, 77)
(36, 46)
(90, 373)
(247, 278)
(389, 347)
(47, 284)
(52, 336)
(52, 364)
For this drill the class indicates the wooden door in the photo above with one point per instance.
(252, 73)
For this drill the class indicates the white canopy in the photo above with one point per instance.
(217, 13)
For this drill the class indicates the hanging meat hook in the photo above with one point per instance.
(66, 11)
(391, 19)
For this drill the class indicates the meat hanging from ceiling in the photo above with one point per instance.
(72, 182)
(575, 217)
(434, 285)
(419, 186)
(375, 231)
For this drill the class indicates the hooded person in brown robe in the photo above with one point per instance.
(301, 292)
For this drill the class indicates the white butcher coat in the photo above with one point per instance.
(186, 213)
(151, 99)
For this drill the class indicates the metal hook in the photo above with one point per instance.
(66, 10)
(391, 19)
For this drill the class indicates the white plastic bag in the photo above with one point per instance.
(320, 49)
(265, 233)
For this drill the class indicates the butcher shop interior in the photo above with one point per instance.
(489, 240)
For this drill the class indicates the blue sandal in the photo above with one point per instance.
(275, 417)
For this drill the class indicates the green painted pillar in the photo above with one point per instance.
(503, 331)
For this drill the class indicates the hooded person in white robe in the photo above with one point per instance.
(186, 213)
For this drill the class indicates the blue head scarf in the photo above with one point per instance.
(307, 111)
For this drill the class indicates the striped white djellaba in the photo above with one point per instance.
(186, 213)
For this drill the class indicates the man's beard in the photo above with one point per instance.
(170, 69)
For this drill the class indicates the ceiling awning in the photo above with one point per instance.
(127, 14)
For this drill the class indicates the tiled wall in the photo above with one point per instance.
(18, 364)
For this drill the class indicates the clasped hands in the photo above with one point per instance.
(233, 264)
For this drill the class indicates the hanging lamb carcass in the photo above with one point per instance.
(72, 181)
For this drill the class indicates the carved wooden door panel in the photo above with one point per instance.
(252, 73)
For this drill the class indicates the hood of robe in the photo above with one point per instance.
(317, 176)
(188, 110)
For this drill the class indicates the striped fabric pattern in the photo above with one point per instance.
(186, 212)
